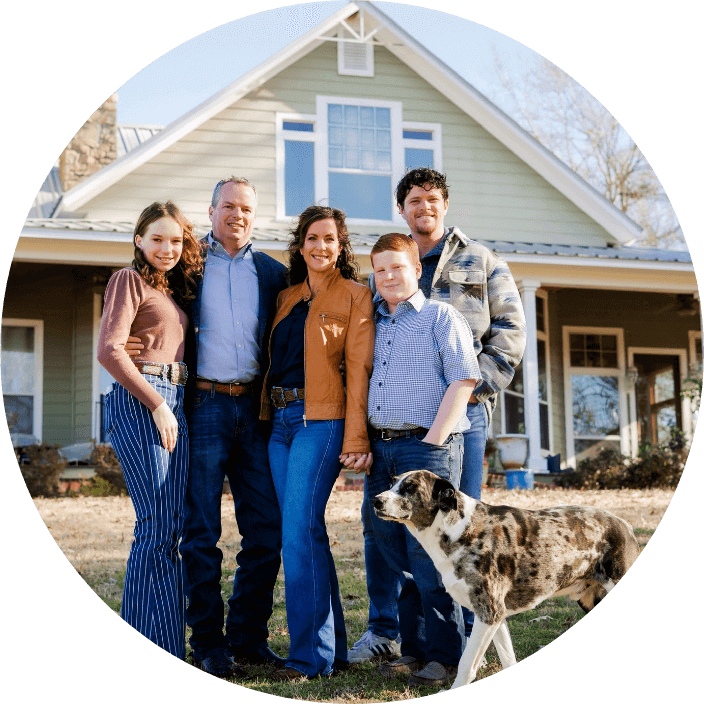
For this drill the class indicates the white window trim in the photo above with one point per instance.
(319, 137)
(619, 372)
(693, 336)
(282, 136)
(435, 144)
(38, 325)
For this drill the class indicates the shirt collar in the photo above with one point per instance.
(416, 301)
(219, 249)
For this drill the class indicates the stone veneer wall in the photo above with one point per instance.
(92, 147)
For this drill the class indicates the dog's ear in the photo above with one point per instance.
(444, 495)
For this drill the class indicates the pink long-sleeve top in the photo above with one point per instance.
(133, 307)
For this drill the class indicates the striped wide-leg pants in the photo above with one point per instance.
(153, 600)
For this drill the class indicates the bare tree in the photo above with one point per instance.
(566, 119)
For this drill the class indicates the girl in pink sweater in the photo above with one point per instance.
(144, 413)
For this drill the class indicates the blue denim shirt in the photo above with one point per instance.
(228, 349)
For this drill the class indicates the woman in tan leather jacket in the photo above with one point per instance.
(319, 421)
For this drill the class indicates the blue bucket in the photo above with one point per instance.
(519, 479)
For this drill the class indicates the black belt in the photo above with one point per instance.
(176, 372)
(281, 397)
(389, 434)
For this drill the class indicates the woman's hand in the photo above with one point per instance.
(167, 425)
(359, 461)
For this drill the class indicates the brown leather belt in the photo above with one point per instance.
(229, 389)
(281, 397)
(176, 372)
(389, 434)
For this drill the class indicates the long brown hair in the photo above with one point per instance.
(297, 269)
(181, 280)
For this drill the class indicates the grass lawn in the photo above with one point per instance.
(530, 631)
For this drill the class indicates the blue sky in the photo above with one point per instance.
(192, 72)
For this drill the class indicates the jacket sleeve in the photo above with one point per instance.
(505, 339)
(359, 356)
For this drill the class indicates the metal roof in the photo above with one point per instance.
(131, 136)
(281, 235)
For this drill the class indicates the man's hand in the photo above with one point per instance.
(359, 461)
(133, 346)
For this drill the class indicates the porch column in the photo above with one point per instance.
(531, 404)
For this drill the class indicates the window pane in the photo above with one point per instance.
(298, 126)
(544, 427)
(383, 139)
(383, 117)
(595, 405)
(366, 139)
(335, 114)
(351, 115)
(417, 158)
(361, 195)
(368, 161)
(335, 157)
(17, 360)
(299, 176)
(19, 412)
(366, 117)
(417, 134)
(664, 386)
(383, 161)
(540, 313)
(351, 137)
(515, 416)
(517, 381)
(351, 159)
(335, 135)
(665, 420)
(593, 350)
(542, 371)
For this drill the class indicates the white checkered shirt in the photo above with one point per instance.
(418, 352)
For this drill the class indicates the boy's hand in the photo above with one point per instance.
(359, 461)
(133, 346)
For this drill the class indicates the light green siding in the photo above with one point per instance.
(494, 194)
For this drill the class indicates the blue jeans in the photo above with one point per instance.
(383, 583)
(430, 621)
(305, 464)
(472, 469)
(226, 439)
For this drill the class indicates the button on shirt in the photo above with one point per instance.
(418, 352)
(228, 349)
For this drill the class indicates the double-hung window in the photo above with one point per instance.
(350, 155)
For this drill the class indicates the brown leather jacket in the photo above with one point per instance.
(340, 324)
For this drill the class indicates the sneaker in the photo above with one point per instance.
(371, 646)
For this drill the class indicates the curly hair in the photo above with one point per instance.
(181, 280)
(423, 177)
(297, 268)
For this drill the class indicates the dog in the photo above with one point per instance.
(499, 560)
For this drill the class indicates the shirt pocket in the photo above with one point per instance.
(467, 288)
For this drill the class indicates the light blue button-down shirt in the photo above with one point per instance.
(228, 350)
(419, 350)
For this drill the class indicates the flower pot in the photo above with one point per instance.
(513, 450)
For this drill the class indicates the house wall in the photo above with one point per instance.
(62, 298)
(494, 195)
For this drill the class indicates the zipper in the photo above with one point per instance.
(333, 316)
(305, 373)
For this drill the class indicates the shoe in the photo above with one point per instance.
(220, 664)
(434, 674)
(256, 655)
(286, 674)
(403, 666)
(371, 646)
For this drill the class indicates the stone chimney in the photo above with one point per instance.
(92, 147)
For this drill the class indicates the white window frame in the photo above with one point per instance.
(38, 325)
(619, 373)
(283, 136)
(319, 137)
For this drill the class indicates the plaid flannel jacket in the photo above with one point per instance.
(480, 286)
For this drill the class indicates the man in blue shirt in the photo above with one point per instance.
(226, 357)
(425, 371)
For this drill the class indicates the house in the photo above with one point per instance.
(336, 117)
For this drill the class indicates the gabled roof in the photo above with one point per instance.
(386, 32)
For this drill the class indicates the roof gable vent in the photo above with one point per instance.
(355, 58)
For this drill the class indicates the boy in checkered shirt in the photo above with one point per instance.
(425, 370)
